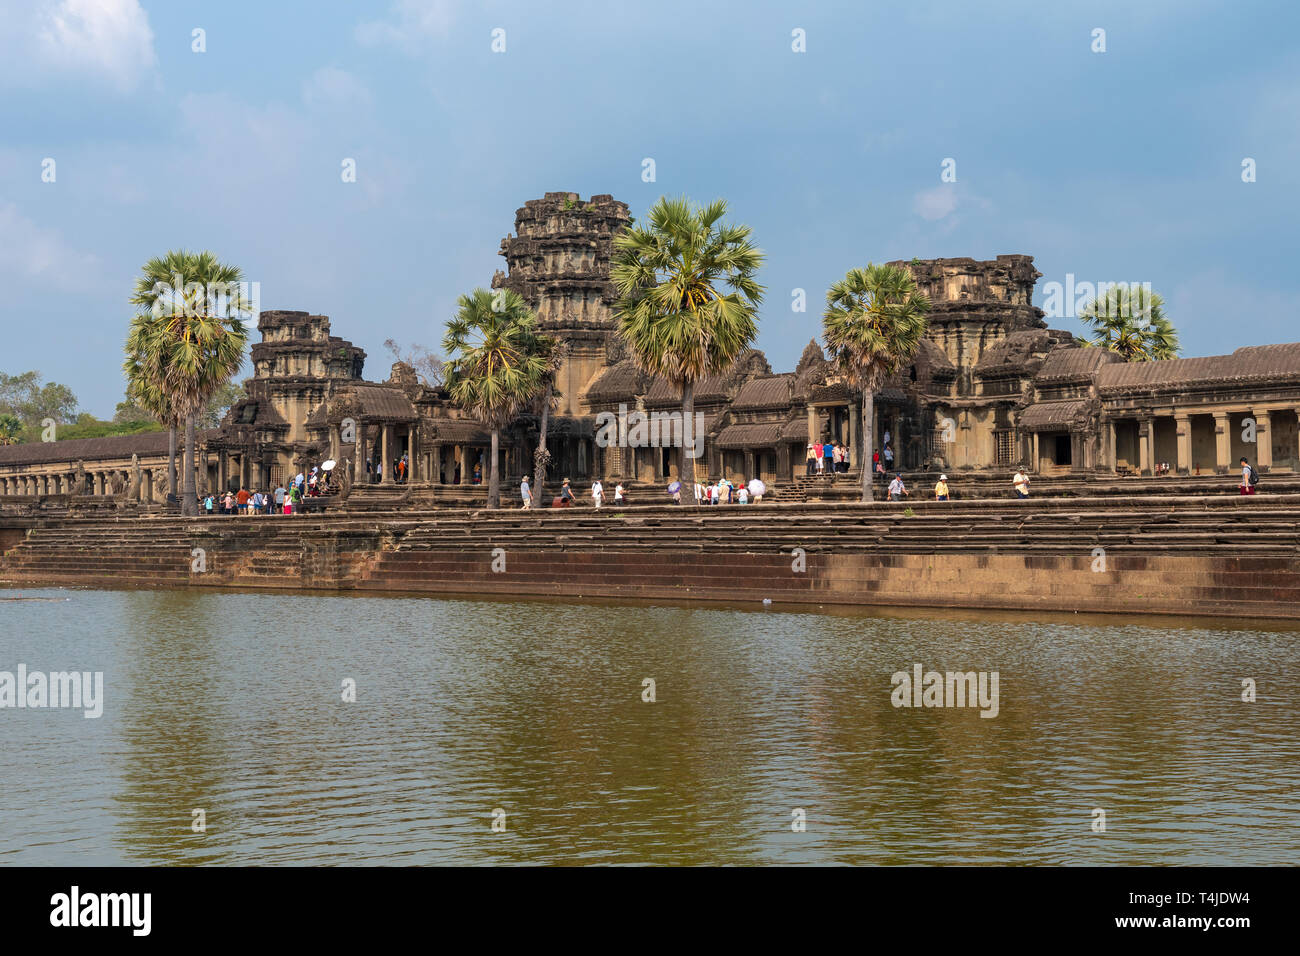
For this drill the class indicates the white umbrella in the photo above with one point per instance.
(757, 487)
(328, 465)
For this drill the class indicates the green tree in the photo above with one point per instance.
(688, 300)
(31, 400)
(10, 426)
(873, 324)
(553, 353)
(1130, 321)
(495, 364)
(186, 343)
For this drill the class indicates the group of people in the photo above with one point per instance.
(282, 500)
(375, 470)
(898, 489)
(725, 491)
(827, 457)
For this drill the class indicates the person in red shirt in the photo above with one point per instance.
(241, 500)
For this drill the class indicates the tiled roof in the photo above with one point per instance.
(1074, 363)
(461, 431)
(1046, 416)
(795, 430)
(622, 381)
(145, 444)
(1251, 364)
(769, 392)
(662, 392)
(383, 402)
(762, 435)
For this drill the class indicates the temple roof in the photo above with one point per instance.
(768, 392)
(145, 444)
(1073, 364)
(1047, 416)
(762, 435)
(1250, 364)
(624, 380)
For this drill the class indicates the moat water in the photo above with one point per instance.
(532, 715)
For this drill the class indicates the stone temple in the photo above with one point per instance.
(992, 387)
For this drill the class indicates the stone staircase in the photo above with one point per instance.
(1213, 555)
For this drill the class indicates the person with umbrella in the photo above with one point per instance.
(757, 489)
(675, 489)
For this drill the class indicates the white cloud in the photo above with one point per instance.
(331, 89)
(409, 24)
(36, 254)
(108, 41)
(935, 203)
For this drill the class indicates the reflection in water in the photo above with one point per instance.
(233, 703)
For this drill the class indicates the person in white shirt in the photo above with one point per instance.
(699, 492)
(1021, 483)
(618, 493)
(896, 489)
(526, 493)
(597, 492)
(742, 494)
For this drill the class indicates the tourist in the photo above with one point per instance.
(699, 493)
(818, 461)
(742, 493)
(889, 454)
(896, 489)
(844, 458)
(255, 505)
(757, 489)
(241, 500)
(886, 440)
(209, 503)
(279, 497)
(837, 457)
(828, 452)
(478, 473)
(941, 488)
(597, 493)
(401, 469)
(228, 504)
(566, 498)
(674, 492)
(1249, 478)
(720, 491)
(526, 494)
(811, 458)
(1021, 483)
(620, 500)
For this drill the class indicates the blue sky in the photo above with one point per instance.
(1117, 166)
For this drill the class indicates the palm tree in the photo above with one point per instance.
(673, 312)
(1130, 320)
(494, 364)
(149, 396)
(553, 352)
(10, 426)
(873, 324)
(187, 342)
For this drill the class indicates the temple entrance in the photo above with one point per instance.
(1128, 455)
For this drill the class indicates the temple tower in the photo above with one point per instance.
(559, 261)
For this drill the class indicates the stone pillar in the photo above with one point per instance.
(1146, 445)
(359, 474)
(335, 442)
(855, 436)
(1033, 452)
(812, 424)
(1111, 460)
(464, 465)
(413, 469)
(1183, 424)
(385, 450)
(1222, 444)
(222, 472)
(1263, 440)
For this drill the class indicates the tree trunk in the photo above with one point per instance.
(868, 443)
(686, 466)
(171, 462)
(542, 457)
(494, 479)
(189, 506)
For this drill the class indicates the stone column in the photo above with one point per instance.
(1263, 440)
(335, 442)
(1111, 458)
(812, 424)
(464, 465)
(1183, 424)
(1033, 452)
(1146, 445)
(413, 469)
(1222, 443)
(385, 450)
(359, 475)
